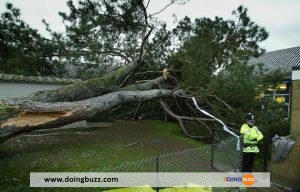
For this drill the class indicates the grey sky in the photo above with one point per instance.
(281, 18)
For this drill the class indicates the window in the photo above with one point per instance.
(282, 88)
(280, 93)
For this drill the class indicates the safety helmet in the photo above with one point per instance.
(249, 117)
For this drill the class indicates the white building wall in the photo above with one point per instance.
(10, 90)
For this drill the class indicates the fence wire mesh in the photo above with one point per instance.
(221, 155)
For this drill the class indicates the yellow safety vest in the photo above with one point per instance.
(251, 137)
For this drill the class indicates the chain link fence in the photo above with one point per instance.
(221, 155)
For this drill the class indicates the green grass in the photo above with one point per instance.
(167, 129)
(87, 149)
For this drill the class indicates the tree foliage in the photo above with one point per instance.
(98, 34)
(242, 86)
(210, 45)
(104, 32)
(22, 49)
(213, 55)
(109, 33)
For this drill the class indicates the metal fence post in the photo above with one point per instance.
(157, 163)
(241, 154)
(157, 170)
(265, 157)
(212, 150)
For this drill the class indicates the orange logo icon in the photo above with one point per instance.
(248, 179)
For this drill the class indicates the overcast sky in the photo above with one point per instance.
(281, 18)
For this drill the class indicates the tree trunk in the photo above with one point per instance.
(78, 101)
(87, 89)
(36, 115)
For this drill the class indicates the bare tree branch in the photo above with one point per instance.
(179, 120)
(151, 15)
(219, 99)
(147, 4)
(140, 58)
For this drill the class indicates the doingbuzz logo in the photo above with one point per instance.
(248, 179)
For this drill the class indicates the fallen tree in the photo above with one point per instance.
(82, 100)
(117, 34)
(40, 115)
(51, 109)
(55, 108)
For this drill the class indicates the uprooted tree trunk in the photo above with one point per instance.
(78, 101)
(37, 115)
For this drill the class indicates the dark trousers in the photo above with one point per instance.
(248, 161)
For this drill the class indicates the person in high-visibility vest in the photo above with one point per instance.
(251, 137)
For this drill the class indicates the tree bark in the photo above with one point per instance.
(36, 115)
(87, 89)
(79, 101)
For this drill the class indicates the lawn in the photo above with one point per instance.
(86, 149)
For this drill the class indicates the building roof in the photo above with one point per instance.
(82, 70)
(36, 79)
(284, 59)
